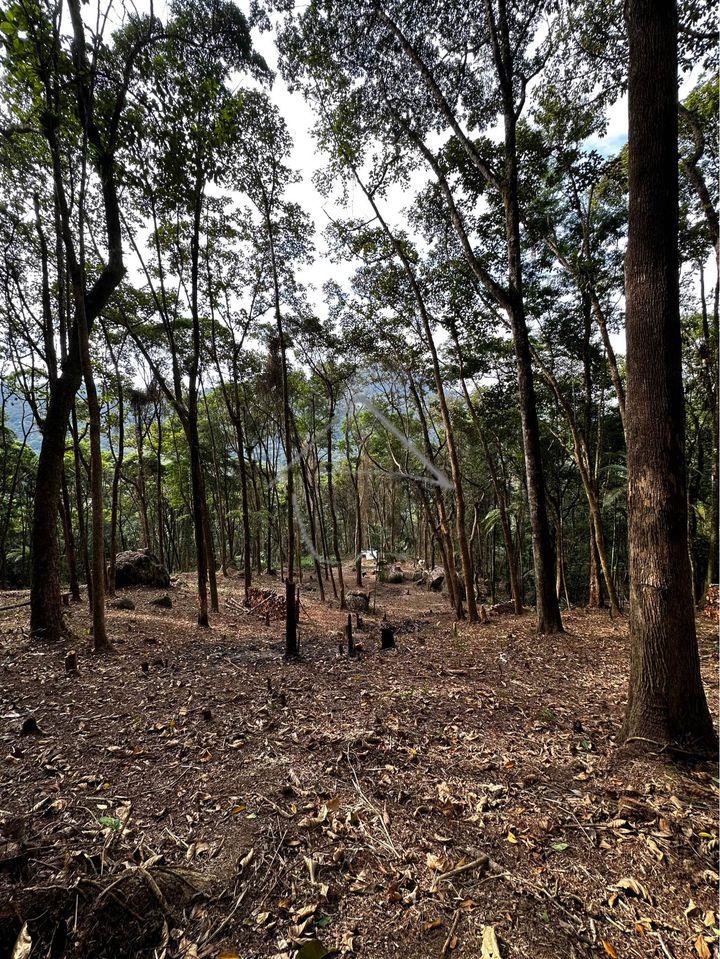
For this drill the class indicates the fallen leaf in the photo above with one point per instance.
(628, 884)
(490, 948)
(702, 948)
(609, 949)
(23, 944)
(313, 949)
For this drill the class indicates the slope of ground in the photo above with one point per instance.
(193, 795)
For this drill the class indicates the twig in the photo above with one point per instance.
(664, 948)
(482, 862)
(446, 946)
(218, 929)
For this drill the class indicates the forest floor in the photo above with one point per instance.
(192, 794)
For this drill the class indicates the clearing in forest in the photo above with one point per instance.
(194, 795)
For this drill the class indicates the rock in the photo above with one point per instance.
(124, 603)
(140, 568)
(501, 609)
(163, 602)
(435, 579)
(358, 601)
(394, 574)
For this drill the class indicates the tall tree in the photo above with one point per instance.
(666, 700)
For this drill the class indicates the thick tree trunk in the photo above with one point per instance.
(666, 700)
(46, 621)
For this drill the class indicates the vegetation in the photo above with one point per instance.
(508, 371)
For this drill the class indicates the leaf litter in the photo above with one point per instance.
(192, 795)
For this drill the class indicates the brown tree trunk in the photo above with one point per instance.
(70, 552)
(331, 498)
(46, 621)
(596, 600)
(247, 553)
(100, 640)
(548, 608)
(116, 487)
(666, 698)
(209, 551)
(196, 478)
(142, 492)
(442, 531)
(158, 486)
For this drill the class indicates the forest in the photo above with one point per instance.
(359, 497)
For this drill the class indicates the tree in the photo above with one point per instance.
(666, 699)
(75, 103)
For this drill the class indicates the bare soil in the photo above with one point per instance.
(192, 794)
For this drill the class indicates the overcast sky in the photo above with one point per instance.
(306, 159)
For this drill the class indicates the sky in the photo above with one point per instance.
(306, 159)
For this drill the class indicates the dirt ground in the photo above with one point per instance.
(191, 794)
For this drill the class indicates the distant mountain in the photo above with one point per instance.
(17, 411)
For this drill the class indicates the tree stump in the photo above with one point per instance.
(349, 637)
(387, 637)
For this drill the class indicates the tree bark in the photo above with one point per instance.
(666, 698)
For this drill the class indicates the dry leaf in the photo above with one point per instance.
(305, 911)
(23, 944)
(702, 948)
(609, 949)
(628, 884)
(490, 946)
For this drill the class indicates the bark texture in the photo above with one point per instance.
(666, 700)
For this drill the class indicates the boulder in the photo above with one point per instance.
(124, 603)
(164, 602)
(140, 568)
(358, 601)
(435, 579)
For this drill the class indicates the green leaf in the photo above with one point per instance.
(313, 949)
(110, 822)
